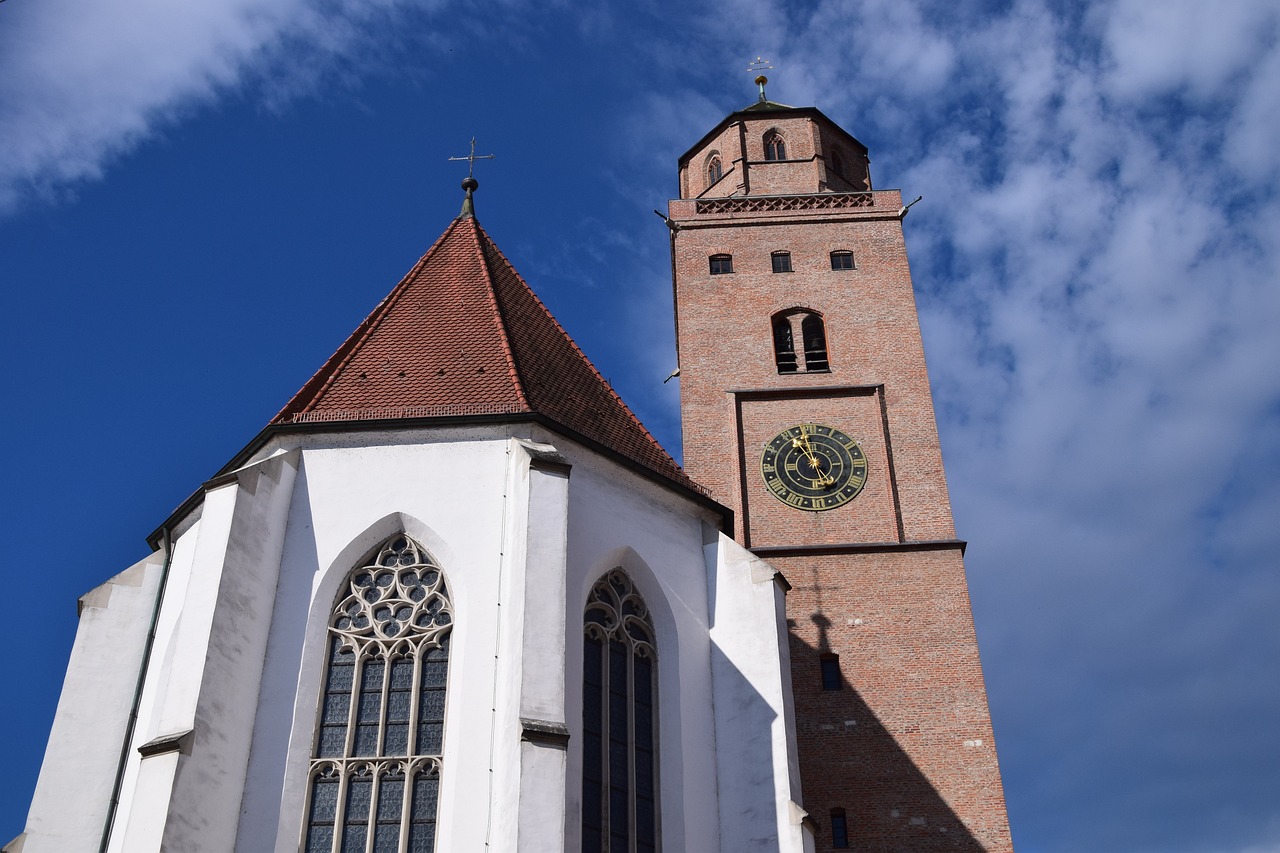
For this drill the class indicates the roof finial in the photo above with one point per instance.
(469, 183)
(761, 64)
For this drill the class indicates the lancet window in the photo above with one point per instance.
(715, 170)
(619, 717)
(775, 148)
(375, 776)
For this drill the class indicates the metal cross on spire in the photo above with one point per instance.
(759, 65)
(469, 183)
(472, 158)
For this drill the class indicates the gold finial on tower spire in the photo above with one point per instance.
(760, 64)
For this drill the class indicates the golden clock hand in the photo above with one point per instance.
(804, 445)
(824, 478)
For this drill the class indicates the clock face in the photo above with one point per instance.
(813, 467)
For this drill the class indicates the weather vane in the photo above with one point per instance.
(759, 66)
(472, 158)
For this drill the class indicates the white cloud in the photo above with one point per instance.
(84, 83)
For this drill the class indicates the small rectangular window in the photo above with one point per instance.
(830, 672)
(781, 262)
(842, 260)
(721, 264)
(839, 829)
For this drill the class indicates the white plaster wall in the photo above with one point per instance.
(756, 751)
(69, 808)
(541, 816)
(205, 803)
(144, 806)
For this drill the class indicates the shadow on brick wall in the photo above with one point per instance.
(849, 761)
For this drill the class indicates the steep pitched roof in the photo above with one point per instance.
(463, 335)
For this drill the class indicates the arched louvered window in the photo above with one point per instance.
(815, 343)
(784, 348)
(619, 721)
(775, 148)
(715, 170)
(375, 777)
(808, 327)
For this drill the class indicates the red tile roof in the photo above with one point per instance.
(460, 335)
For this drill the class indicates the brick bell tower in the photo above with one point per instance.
(806, 409)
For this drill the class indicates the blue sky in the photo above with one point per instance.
(198, 202)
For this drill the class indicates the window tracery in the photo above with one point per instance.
(775, 147)
(715, 170)
(375, 775)
(619, 762)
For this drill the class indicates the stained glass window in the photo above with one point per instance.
(375, 777)
(619, 721)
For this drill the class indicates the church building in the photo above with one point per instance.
(455, 597)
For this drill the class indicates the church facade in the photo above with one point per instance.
(455, 596)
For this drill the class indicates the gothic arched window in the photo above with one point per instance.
(619, 721)
(774, 146)
(375, 777)
(715, 170)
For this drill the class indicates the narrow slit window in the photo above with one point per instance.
(839, 829)
(374, 780)
(781, 261)
(830, 665)
(842, 260)
(721, 264)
